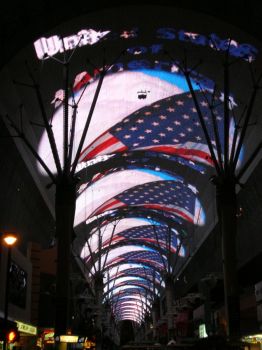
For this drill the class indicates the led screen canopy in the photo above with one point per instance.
(159, 237)
(142, 271)
(145, 157)
(132, 254)
(179, 199)
(136, 297)
(101, 191)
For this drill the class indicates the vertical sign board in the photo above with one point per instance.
(258, 295)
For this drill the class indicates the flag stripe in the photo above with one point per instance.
(185, 215)
(103, 144)
(187, 153)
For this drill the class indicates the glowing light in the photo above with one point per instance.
(9, 239)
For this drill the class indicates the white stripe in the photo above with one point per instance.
(187, 145)
(112, 148)
(105, 205)
(96, 143)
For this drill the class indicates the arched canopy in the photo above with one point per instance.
(157, 236)
(145, 160)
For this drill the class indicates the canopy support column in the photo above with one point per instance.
(155, 316)
(99, 285)
(65, 211)
(227, 214)
(169, 304)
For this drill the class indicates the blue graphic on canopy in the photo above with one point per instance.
(168, 126)
(175, 79)
(171, 196)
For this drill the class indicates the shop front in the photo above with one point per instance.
(27, 337)
(253, 342)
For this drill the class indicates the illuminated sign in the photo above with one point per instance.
(68, 338)
(48, 47)
(26, 328)
(202, 331)
(253, 339)
(48, 336)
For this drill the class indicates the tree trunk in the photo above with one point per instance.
(227, 211)
(169, 305)
(155, 316)
(65, 211)
(99, 285)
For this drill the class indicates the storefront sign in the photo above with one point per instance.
(253, 339)
(202, 331)
(48, 336)
(68, 338)
(26, 328)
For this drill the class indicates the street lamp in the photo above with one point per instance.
(9, 240)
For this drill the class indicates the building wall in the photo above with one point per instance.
(43, 269)
(208, 258)
(22, 208)
(15, 312)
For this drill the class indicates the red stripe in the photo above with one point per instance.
(86, 78)
(157, 206)
(151, 240)
(101, 147)
(83, 151)
(184, 152)
(107, 206)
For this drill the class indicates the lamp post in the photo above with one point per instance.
(9, 240)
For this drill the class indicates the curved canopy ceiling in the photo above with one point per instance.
(145, 160)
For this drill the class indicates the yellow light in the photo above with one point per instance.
(10, 239)
(68, 338)
(11, 336)
(26, 328)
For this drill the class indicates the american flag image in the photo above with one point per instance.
(149, 273)
(128, 292)
(169, 126)
(122, 306)
(155, 235)
(140, 283)
(127, 305)
(171, 196)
